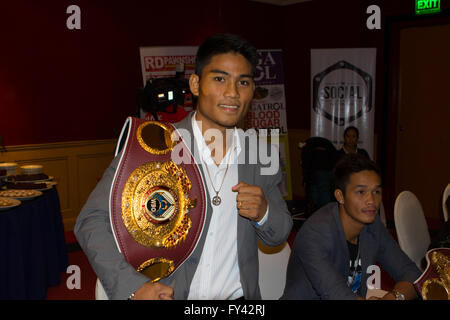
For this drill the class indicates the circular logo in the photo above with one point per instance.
(342, 93)
(159, 204)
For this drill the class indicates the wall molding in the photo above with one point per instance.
(55, 145)
(76, 166)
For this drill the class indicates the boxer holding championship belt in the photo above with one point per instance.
(161, 212)
(157, 208)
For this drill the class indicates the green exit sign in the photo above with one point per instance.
(428, 6)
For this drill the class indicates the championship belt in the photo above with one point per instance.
(157, 208)
(434, 283)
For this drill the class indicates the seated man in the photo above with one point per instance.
(337, 244)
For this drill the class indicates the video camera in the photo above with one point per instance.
(164, 94)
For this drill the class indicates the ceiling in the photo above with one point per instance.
(281, 2)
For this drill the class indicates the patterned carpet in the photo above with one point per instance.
(88, 278)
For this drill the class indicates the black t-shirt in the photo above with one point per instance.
(354, 278)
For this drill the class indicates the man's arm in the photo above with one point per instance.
(405, 288)
(278, 223)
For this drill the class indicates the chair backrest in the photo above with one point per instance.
(444, 202)
(100, 293)
(318, 154)
(411, 227)
(272, 270)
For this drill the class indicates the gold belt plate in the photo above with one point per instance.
(438, 288)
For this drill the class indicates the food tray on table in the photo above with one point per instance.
(29, 178)
(20, 194)
(39, 186)
(8, 203)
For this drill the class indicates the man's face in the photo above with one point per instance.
(350, 138)
(225, 91)
(362, 197)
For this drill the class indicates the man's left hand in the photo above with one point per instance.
(250, 201)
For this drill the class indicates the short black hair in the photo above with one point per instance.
(351, 128)
(349, 164)
(224, 43)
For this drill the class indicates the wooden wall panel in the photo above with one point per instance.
(90, 170)
(295, 153)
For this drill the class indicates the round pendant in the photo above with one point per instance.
(216, 200)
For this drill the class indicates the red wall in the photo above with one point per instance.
(334, 24)
(62, 85)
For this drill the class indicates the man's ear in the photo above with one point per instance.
(339, 196)
(194, 84)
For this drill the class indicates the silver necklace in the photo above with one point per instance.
(216, 200)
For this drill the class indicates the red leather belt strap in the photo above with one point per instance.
(136, 158)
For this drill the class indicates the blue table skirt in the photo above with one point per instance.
(32, 248)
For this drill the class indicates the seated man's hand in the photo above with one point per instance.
(154, 291)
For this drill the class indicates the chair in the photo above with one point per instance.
(272, 270)
(100, 293)
(411, 227)
(318, 158)
(444, 202)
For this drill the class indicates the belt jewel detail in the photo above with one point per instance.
(159, 204)
(156, 203)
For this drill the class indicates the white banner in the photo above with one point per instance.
(343, 94)
(161, 62)
(268, 109)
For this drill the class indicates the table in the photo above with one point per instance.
(32, 248)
